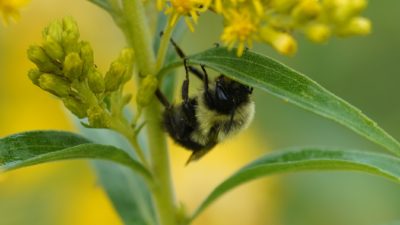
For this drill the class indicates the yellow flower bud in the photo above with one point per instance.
(54, 31)
(54, 84)
(70, 26)
(96, 81)
(126, 57)
(356, 26)
(37, 55)
(70, 35)
(72, 66)
(318, 32)
(98, 118)
(114, 76)
(282, 42)
(34, 75)
(87, 56)
(358, 5)
(53, 49)
(340, 11)
(75, 106)
(306, 10)
(148, 87)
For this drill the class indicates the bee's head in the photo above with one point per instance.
(229, 94)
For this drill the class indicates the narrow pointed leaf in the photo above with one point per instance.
(269, 75)
(102, 4)
(307, 159)
(36, 147)
(392, 223)
(127, 191)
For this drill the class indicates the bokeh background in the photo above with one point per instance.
(362, 70)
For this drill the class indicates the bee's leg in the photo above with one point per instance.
(208, 96)
(178, 50)
(163, 100)
(205, 80)
(181, 54)
(185, 85)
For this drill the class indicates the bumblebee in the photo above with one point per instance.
(220, 109)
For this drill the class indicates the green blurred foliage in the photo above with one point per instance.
(362, 70)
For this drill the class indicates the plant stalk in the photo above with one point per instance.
(137, 33)
(164, 43)
(136, 30)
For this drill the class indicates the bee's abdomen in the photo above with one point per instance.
(180, 123)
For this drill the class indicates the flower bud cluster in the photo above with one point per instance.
(65, 68)
(274, 21)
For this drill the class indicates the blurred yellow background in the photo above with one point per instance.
(68, 192)
(362, 70)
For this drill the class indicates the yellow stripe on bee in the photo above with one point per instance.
(209, 118)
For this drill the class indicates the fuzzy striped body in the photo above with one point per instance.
(221, 111)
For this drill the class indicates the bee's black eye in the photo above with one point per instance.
(220, 93)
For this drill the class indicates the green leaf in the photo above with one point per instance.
(104, 4)
(393, 223)
(294, 160)
(127, 191)
(35, 147)
(266, 74)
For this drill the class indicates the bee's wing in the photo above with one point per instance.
(213, 140)
(196, 155)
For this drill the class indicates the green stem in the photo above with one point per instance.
(164, 43)
(163, 191)
(123, 128)
(136, 30)
(137, 33)
(117, 122)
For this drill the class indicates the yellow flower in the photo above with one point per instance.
(282, 42)
(190, 9)
(9, 9)
(239, 29)
(275, 22)
(223, 6)
(318, 32)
